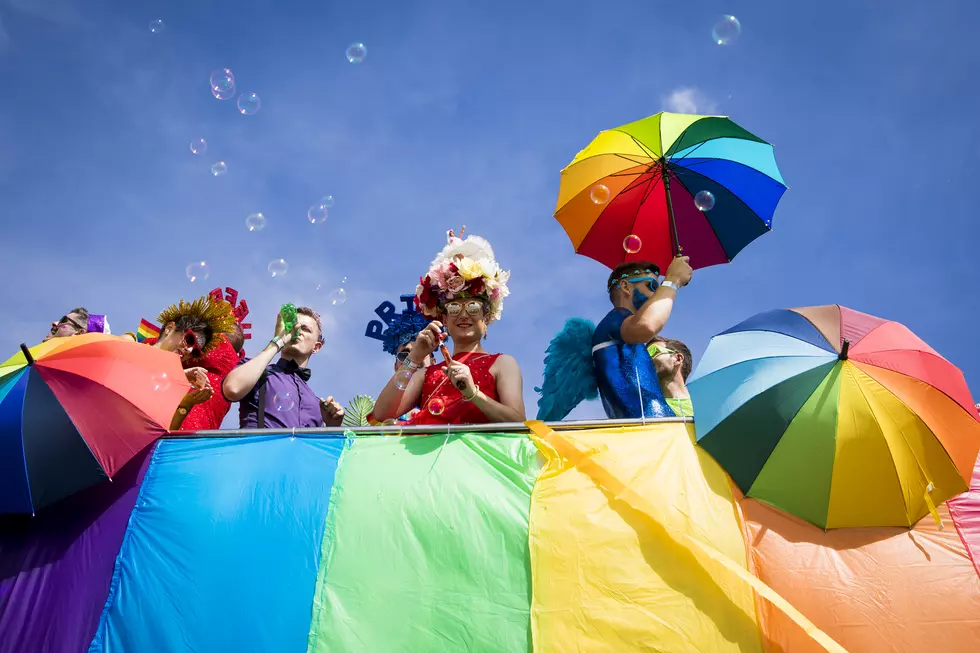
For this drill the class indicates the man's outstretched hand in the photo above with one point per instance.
(680, 271)
(331, 412)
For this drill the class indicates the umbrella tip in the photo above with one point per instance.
(27, 354)
(843, 350)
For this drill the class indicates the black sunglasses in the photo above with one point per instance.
(402, 356)
(66, 320)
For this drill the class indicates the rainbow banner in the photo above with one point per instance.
(147, 330)
(615, 539)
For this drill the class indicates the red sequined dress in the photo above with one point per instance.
(442, 402)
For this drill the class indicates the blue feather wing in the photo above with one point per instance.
(569, 374)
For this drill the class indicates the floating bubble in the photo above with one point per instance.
(160, 381)
(343, 281)
(436, 406)
(255, 222)
(402, 379)
(223, 95)
(356, 52)
(198, 271)
(317, 214)
(704, 200)
(278, 267)
(395, 429)
(222, 81)
(632, 244)
(157, 26)
(327, 201)
(199, 146)
(338, 297)
(726, 30)
(284, 401)
(219, 168)
(249, 103)
(599, 194)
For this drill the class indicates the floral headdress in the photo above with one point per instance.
(219, 316)
(401, 327)
(466, 267)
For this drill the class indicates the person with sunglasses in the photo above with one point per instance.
(463, 293)
(672, 362)
(77, 322)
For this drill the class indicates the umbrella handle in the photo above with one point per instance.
(27, 354)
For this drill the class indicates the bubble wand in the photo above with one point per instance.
(449, 359)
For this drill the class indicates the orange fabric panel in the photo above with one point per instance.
(880, 590)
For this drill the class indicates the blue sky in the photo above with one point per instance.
(464, 113)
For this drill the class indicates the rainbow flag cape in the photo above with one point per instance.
(610, 539)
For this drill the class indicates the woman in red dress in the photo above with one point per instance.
(464, 292)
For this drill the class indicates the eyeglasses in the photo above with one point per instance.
(192, 341)
(648, 271)
(653, 281)
(402, 356)
(67, 321)
(472, 307)
(657, 349)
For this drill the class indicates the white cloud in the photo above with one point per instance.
(689, 100)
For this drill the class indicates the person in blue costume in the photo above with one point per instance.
(611, 360)
(397, 333)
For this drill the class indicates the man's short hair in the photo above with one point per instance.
(309, 312)
(627, 270)
(81, 310)
(680, 348)
(237, 337)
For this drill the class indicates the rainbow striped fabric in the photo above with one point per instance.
(590, 540)
(147, 330)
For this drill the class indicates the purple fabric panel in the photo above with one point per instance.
(55, 568)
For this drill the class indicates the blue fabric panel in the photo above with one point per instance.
(222, 548)
(759, 192)
(15, 494)
(787, 322)
(755, 155)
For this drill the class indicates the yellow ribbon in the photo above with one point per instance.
(602, 477)
(932, 506)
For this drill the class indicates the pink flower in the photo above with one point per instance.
(456, 284)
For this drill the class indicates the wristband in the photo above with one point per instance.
(411, 365)
(277, 341)
(472, 396)
(670, 284)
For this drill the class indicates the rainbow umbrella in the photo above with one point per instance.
(666, 185)
(73, 411)
(835, 416)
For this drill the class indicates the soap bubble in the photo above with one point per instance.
(599, 194)
(632, 244)
(199, 146)
(338, 297)
(402, 379)
(157, 26)
(356, 52)
(255, 222)
(222, 81)
(726, 30)
(395, 429)
(219, 168)
(436, 406)
(222, 95)
(198, 271)
(249, 103)
(327, 201)
(284, 401)
(704, 200)
(317, 214)
(278, 267)
(160, 381)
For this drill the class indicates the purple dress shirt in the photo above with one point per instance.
(289, 401)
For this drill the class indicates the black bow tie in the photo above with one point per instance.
(290, 367)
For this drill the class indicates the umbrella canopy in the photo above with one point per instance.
(73, 411)
(670, 184)
(835, 416)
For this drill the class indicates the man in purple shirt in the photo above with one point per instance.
(276, 395)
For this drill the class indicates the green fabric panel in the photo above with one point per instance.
(707, 129)
(426, 546)
(647, 132)
(744, 440)
(797, 476)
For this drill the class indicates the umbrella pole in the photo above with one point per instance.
(27, 354)
(665, 175)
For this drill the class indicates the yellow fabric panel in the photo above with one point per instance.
(607, 577)
(673, 125)
(916, 454)
(583, 175)
(864, 490)
(613, 142)
(647, 131)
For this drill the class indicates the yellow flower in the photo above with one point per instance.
(469, 269)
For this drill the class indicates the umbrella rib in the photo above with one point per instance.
(711, 226)
(642, 146)
(711, 159)
(656, 180)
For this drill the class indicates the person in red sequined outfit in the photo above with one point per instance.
(463, 293)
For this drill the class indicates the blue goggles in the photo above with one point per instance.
(653, 281)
